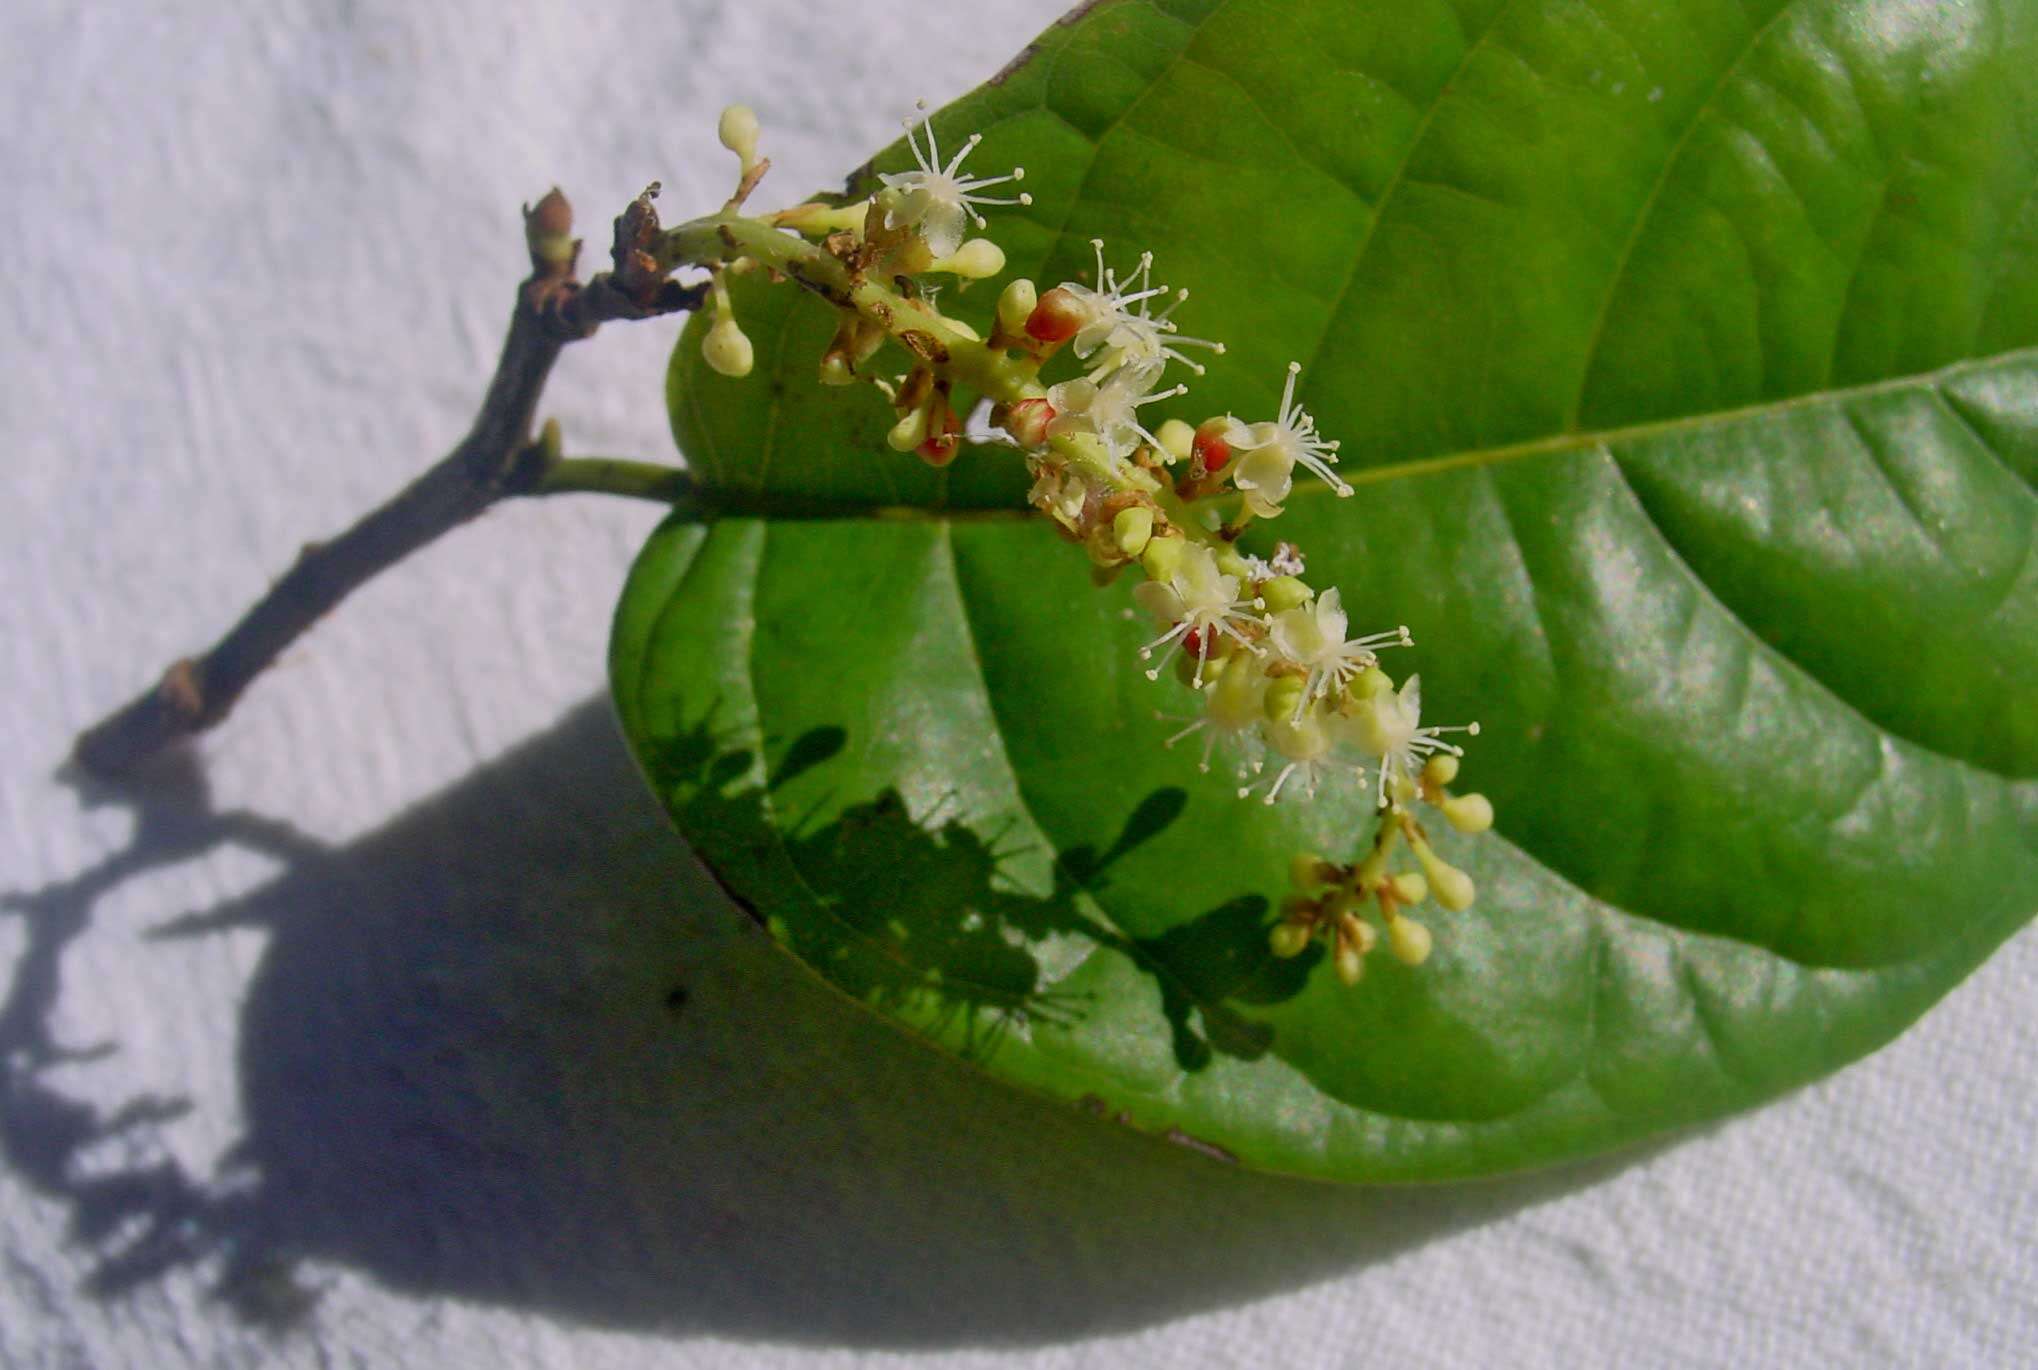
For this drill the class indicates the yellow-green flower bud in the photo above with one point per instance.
(1452, 887)
(1015, 302)
(1350, 963)
(1308, 871)
(1283, 593)
(910, 431)
(1371, 684)
(1177, 440)
(1288, 939)
(738, 131)
(1358, 932)
(1440, 769)
(974, 260)
(1408, 887)
(1468, 812)
(1162, 558)
(1284, 697)
(1132, 529)
(1408, 940)
(727, 348)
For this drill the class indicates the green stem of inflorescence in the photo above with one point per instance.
(616, 476)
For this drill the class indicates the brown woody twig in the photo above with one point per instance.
(497, 460)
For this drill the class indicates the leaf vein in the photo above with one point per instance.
(1626, 257)
(1395, 182)
(1951, 405)
(1774, 650)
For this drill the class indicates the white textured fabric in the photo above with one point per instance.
(356, 1049)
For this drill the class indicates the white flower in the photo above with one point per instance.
(1109, 409)
(1312, 636)
(936, 199)
(1232, 710)
(1200, 602)
(1305, 746)
(1115, 318)
(1273, 450)
(1389, 725)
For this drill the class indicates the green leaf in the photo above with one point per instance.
(1686, 356)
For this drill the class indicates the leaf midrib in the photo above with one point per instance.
(1573, 442)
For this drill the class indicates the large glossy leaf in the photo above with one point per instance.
(1683, 352)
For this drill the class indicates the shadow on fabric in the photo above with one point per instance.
(516, 1047)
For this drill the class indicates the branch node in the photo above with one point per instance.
(637, 271)
(182, 689)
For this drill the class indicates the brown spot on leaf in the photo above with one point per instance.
(1096, 1107)
(1199, 1146)
(1025, 55)
(1075, 16)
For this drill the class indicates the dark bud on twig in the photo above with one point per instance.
(548, 230)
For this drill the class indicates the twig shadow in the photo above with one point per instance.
(516, 1047)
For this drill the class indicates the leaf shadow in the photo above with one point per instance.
(919, 915)
(514, 1048)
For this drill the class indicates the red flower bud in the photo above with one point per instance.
(1055, 317)
(1212, 453)
(1027, 421)
(941, 447)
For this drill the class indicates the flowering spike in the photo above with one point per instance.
(1294, 699)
